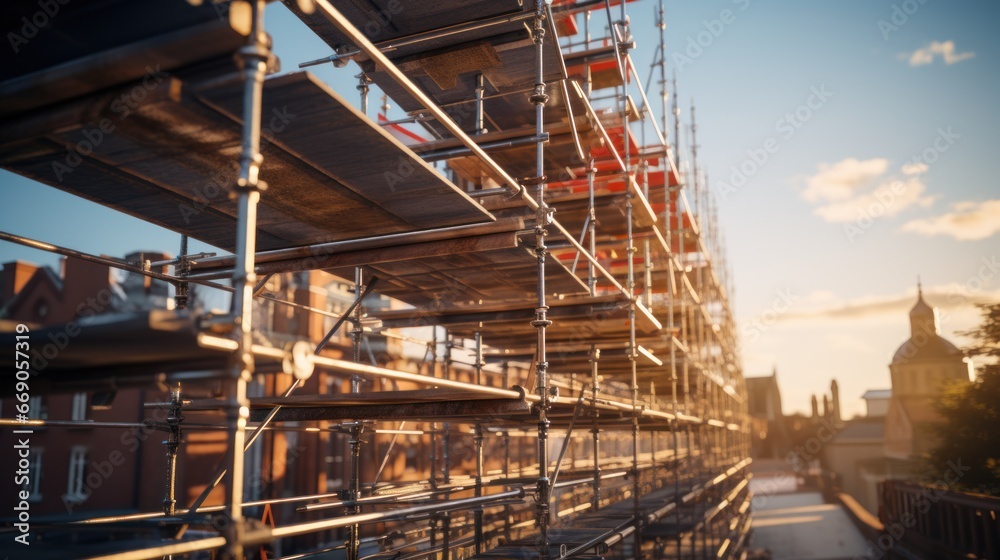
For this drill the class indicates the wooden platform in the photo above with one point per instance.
(116, 351)
(88, 46)
(436, 405)
(497, 274)
(579, 320)
(331, 173)
(444, 65)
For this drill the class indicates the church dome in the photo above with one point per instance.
(928, 348)
(925, 344)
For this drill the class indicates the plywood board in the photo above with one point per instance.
(331, 173)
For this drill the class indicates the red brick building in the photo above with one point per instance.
(121, 469)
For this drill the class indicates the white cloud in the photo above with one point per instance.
(838, 181)
(968, 221)
(947, 298)
(945, 49)
(888, 199)
(852, 189)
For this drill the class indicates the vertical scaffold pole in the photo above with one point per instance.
(677, 126)
(685, 327)
(446, 516)
(479, 358)
(181, 269)
(254, 59)
(661, 24)
(541, 321)
(480, 544)
(591, 226)
(364, 86)
(595, 356)
(480, 105)
(480, 467)
(630, 251)
(354, 490)
(358, 331)
(449, 344)
(173, 443)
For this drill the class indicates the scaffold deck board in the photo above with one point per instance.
(120, 350)
(587, 527)
(486, 276)
(434, 404)
(103, 43)
(509, 324)
(331, 173)
(442, 48)
(400, 20)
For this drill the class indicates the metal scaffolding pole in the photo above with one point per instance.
(595, 356)
(622, 41)
(173, 443)
(543, 217)
(700, 400)
(254, 59)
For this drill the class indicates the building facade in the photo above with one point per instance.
(920, 369)
(119, 467)
(890, 442)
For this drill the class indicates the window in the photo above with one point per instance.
(37, 409)
(34, 485)
(75, 491)
(79, 406)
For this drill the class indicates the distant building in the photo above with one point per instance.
(856, 454)
(890, 441)
(63, 459)
(877, 402)
(920, 369)
(770, 435)
(121, 470)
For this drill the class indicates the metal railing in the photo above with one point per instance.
(933, 522)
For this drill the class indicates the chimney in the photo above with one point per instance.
(13, 277)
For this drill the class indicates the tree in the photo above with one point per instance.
(970, 433)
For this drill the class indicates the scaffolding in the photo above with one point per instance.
(558, 240)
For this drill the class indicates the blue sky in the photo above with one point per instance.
(794, 229)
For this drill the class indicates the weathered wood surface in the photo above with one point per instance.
(484, 276)
(331, 173)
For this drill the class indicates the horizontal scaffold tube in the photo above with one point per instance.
(314, 526)
(374, 371)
